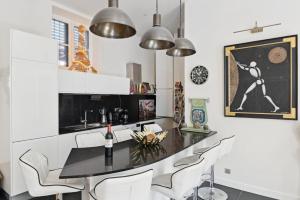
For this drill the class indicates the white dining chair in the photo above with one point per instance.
(90, 140)
(153, 127)
(211, 154)
(123, 135)
(41, 181)
(211, 192)
(176, 185)
(129, 187)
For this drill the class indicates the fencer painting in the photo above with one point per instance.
(261, 79)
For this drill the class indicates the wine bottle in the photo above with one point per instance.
(109, 142)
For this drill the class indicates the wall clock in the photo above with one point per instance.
(199, 75)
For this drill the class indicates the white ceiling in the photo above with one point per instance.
(140, 11)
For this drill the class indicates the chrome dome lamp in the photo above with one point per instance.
(112, 22)
(157, 37)
(183, 47)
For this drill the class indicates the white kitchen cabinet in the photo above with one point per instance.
(66, 143)
(104, 84)
(164, 102)
(33, 47)
(29, 103)
(164, 70)
(34, 99)
(88, 83)
(47, 146)
(71, 82)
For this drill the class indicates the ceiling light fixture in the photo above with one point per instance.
(157, 37)
(112, 22)
(183, 47)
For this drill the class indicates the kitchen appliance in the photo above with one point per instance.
(103, 117)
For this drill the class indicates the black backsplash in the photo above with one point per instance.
(72, 107)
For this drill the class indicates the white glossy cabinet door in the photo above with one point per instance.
(66, 143)
(71, 82)
(34, 100)
(164, 102)
(104, 84)
(164, 70)
(33, 47)
(46, 146)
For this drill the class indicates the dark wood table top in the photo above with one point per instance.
(88, 162)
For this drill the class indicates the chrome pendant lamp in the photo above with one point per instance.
(157, 37)
(183, 47)
(112, 22)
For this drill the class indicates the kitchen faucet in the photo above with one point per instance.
(85, 117)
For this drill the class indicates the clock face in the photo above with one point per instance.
(199, 75)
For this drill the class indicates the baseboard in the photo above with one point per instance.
(255, 189)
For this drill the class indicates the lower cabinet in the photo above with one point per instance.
(66, 143)
(47, 146)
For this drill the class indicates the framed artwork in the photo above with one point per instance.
(146, 109)
(261, 79)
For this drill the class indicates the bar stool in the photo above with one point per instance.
(41, 181)
(153, 127)
(130, 187)
(176, 185)
(89, 140)
(209, 153)
(123, 135)
(212, 192)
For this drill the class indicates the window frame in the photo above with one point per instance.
(71, 45)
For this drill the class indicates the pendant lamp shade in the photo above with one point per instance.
(157, 37)
(183, 47)
(112, 22)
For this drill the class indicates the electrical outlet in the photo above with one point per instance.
(227, 171)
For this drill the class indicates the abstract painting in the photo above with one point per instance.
(261, 79)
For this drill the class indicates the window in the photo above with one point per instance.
(60, 32)
(67, 35)
(76, 39)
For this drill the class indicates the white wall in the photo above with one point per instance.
(111, 56)
(266, 156)
(28, 15)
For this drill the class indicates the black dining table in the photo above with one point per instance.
(127, 155)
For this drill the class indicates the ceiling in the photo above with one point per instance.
(140, 11)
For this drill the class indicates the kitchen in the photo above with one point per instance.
(62, 79)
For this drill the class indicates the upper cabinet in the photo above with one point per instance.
(87, 83)
(34, 88)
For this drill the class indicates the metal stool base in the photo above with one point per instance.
(216, 194)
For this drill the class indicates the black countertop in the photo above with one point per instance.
(88, 162)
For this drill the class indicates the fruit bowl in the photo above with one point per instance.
(149, 138)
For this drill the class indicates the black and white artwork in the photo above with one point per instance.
(261, 79)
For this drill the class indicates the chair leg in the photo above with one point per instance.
(212, 193)
(195, 194)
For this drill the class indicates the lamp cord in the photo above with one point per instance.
(156, 6)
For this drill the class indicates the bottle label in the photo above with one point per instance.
(109, 143)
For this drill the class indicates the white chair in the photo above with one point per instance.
(212, 192)
(41, 181)
(130, 187)
(90, 140)
(123, 135)
(153, 127)
(176, 185)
